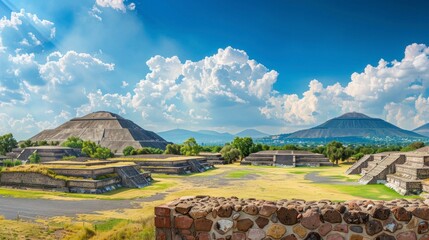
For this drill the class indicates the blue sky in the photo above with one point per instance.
(276, 66)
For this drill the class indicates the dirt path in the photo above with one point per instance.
(316, 178)
(11, 207)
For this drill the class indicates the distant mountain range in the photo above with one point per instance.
(208, 136)
(350, 127)
(423, 130)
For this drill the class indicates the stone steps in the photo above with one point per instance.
(133, 177)
(412, 172)
(357, 167)
(379, 172)
(403, 185)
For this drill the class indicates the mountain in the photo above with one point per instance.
(253, 133)
(208, 136)
(423, 130)
(202, 137)
(355, 124)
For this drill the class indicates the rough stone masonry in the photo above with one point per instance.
(204, 218)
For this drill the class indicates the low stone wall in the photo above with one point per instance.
(93, 184)
(203, 218)
(83, 172)
(30, 179)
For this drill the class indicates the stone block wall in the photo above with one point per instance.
(83, 172)
(30, 179)
(205, 218)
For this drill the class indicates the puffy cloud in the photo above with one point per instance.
(131, 6)
(393, 89)
(115, 4)
(197, 91)
(422, 110)
(19, 23)
(62, 69)
(30, 77)
(98, 101)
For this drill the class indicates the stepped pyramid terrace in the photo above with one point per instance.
(405, 172)
(169, 164)
(46, 153)
(105, 128)
(288, 158)
(92, 176)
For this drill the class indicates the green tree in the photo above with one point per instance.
(89, 148)
(73, 142)
(190, 147)
(357, 156)
(34, 158)
(230, 153)
(256, 148)
(7, 143)
(128, 151)
(413, 146)
(335, 151)
(173, 149)
(216, 149)
(244, 145)
(26, 143)
(102, 153)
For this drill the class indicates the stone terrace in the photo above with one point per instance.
(204, 217)
(169, 164)
(405, 172)
(290, 158)
(73, 176)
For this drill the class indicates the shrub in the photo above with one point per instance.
(173, 149)
(34, 158)
(11, 163)
(128, 151)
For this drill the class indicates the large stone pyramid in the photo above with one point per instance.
(105, 128)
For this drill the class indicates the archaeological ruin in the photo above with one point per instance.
(106, 129)
(405, 172)
(46, 153)
(213, 158)
(204, 217)
(169, 164)
(286, 158)
(92, 176)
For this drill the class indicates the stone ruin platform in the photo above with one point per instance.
(213, 158)
(405, 172)
(169, 164)
(287, 158)
(46, 153)
(204, 217)
(74, 176)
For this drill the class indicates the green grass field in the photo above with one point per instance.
(271, 183)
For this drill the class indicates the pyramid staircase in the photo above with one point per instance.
(377, 171)
(408, 178)
(133, 178)
(25, 154)
(357, 167)
(196, 166)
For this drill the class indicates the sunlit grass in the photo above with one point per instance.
(270, 183)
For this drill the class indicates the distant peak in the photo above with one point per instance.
(353, 115)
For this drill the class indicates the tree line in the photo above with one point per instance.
(237, 149)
